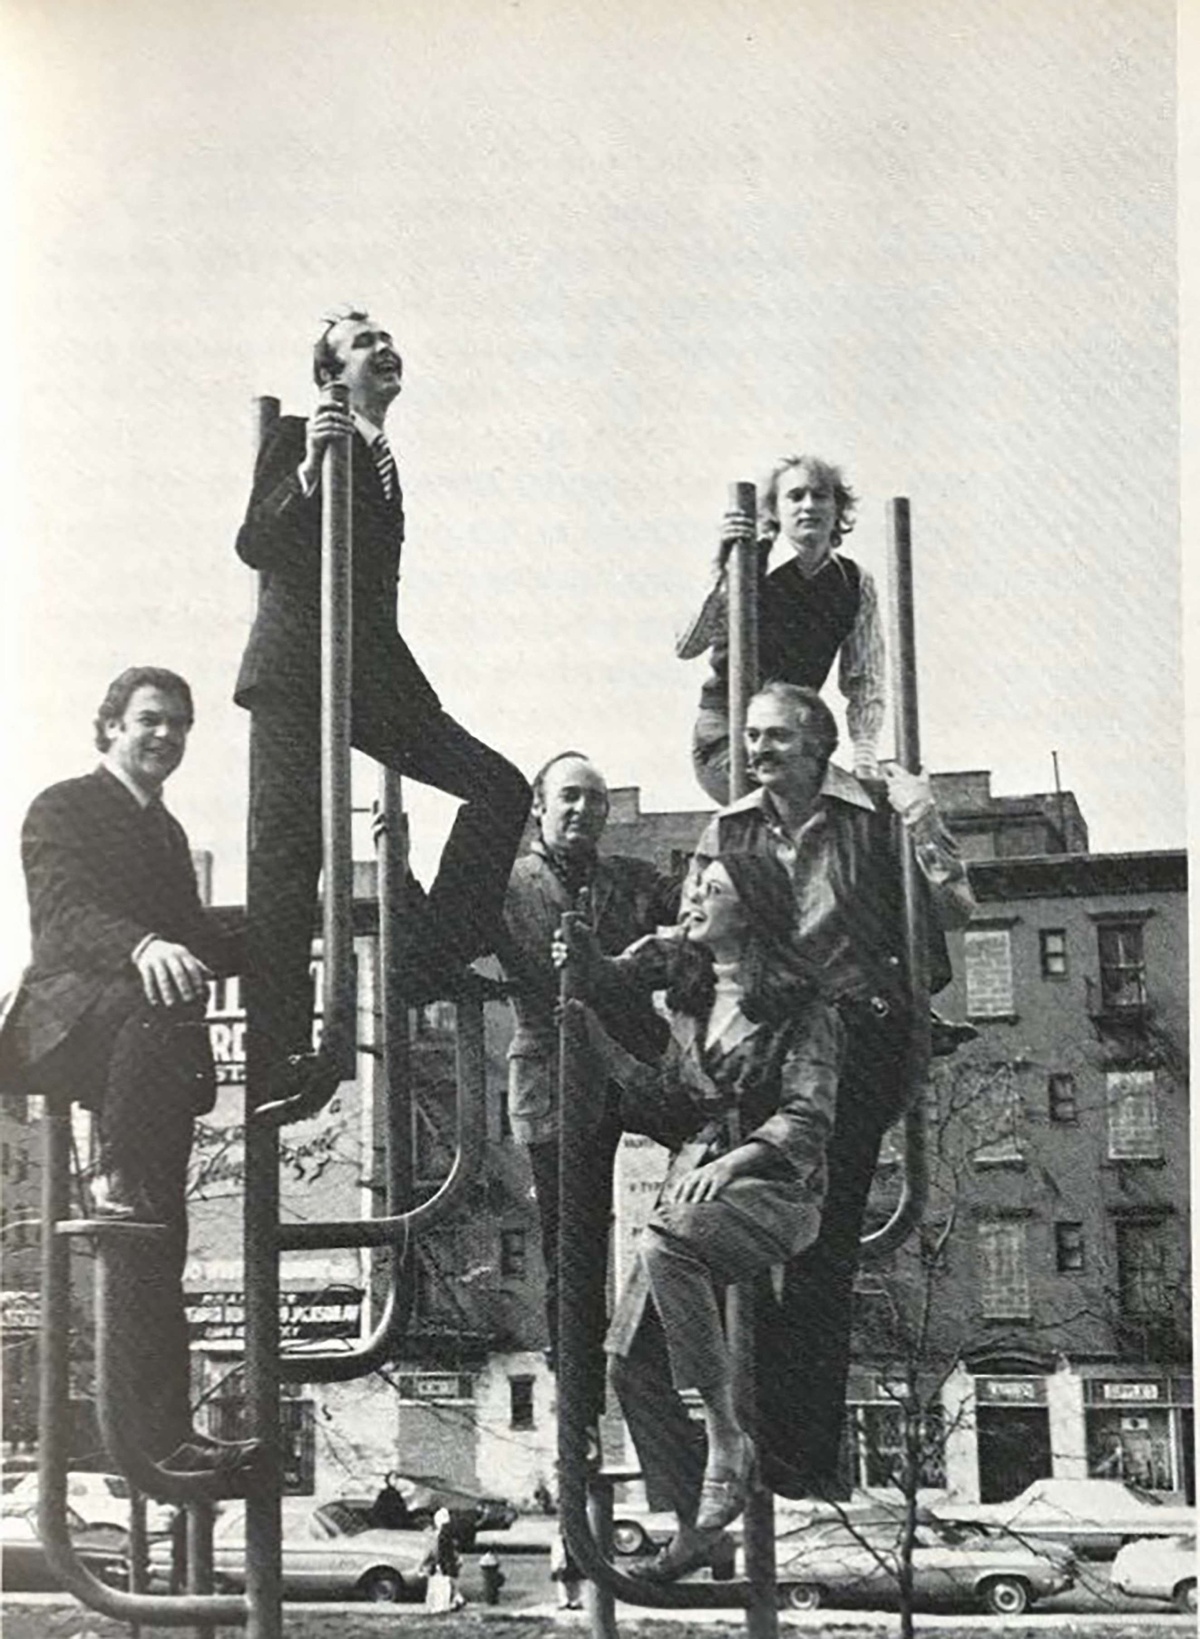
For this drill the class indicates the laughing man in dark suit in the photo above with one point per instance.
(396, 717)
(111, 1014)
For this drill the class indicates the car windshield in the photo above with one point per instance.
(1142, 1496)
(347, 1519)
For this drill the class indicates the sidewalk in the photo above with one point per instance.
(39, 1616)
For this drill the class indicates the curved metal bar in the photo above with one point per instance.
(911, 1207)
(471, 1133)
(320, 1074)
(576, 1252)
(386, 1340)
(113, 1414)
(53, 1423)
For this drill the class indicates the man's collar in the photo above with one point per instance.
(142, 798)
(366, 429)
(837, 783)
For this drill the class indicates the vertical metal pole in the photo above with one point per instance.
(264, 1589)
(138, 1550)
(758, 1530)
(54, 1325)
(264, 1579)
(916, 916)
(397, 1112)
(200, 1558)
(338, 906)
(743, 636)
(598, 1600)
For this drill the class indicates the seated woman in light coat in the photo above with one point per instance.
(745, 1098)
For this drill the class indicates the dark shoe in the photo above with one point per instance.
(723, 1497)
(946, 1037)
(118, 1200)
(677, 1559)
(206, 1457)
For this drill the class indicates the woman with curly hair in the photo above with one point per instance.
(744, 1098)
(815, 605)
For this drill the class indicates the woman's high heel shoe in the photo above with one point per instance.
(712, 1548)
(723, 1499)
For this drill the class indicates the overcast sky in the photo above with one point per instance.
(630, 253)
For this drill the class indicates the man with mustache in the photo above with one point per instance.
(824, 827)
(396, 716)
(621, 899)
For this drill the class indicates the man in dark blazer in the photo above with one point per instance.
(396, 716)
(110, 1013)
(623, 899)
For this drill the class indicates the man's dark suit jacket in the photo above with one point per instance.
(102, 873)
(281, 536)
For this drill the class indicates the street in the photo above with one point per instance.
(528, 1606)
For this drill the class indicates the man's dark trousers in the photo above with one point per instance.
(804, 1342)
(465, 904)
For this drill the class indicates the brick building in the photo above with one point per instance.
(1058, 1337)
(1058, 1340)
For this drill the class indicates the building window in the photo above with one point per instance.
(996, 1119)
(1064, 1108)
(1054, 952)
(512, 1253)
(1142, 1268)
(987, 954)
(1122, 966)
(1132, 1100)
(1003, 1270)
(879, 1448)
(1068, 1247)
(520, 1399)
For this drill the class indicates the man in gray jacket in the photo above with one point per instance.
(622, 900)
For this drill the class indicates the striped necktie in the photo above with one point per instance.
(385, 465)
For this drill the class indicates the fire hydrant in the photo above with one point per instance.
(492, 1576)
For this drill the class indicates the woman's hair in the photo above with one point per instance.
(844, 497)
(776, 979)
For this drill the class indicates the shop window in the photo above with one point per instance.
(996, 1121)
(512, 1253)
(1064, 1106)
(1142, 1254)
(520, 1400)
(1132, 1102)
(878, 1446)
(1122, 966)
(1053, 942)
(1136, 1446)
(987, 956)
(1068, 1247)
(1003, 1270)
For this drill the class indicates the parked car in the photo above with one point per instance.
(99, 1499)
(857, 1562)
(23, 1564)
(324, 1553)
(424, 1494)
(1092, 1517)
(637, 1531)
(1158, 1568)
